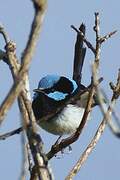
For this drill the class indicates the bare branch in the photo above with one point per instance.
(24, 158)
(26, 58)
(99, 132)
(34, 139)
(29, 158)
(88, 44)
(98, 45)
(115, 128)
(46, 118)
(66, 142)
(20, 76)
(107, 114)
(11, 133)
(107, 36)
(5, 35)
(89, 148)
(114, 124)
(2, 55)
(116, 88)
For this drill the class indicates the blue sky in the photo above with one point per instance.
(54, 54)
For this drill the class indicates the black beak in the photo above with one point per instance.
(37, 90)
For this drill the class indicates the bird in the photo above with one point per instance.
(52, 92)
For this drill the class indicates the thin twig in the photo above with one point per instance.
(107, 36)
(107, 114)
(11, 133)
(46, 118)
(29, 158)
(3, 55)
(24, 159)
(114, 124)
(98, 44)
(89, 45)
(35, 141)
(66, 142)
(5, 35)
(89, 148)
(84, 156)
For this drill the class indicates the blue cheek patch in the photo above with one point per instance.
(57, 95)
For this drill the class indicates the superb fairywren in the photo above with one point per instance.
(52, 91)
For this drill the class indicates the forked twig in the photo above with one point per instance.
(102, 126)
(26, 59)
(88, 44)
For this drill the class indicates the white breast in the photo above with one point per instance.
(66, 122)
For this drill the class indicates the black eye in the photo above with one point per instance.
(52, 90)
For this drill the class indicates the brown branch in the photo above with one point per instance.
(23, 172)
(29, 158)
(98, 133)
(98, 44)
(5, 35)
(89, 148)
(35, 141)
(107, 36)
(19, 130)
(11, 133)
(32, 136)
(107, 114)
(26, 58)
(46, 118)
(113, 124)
(116, 88)
(116, 92)
(66, 142)
(3, 56)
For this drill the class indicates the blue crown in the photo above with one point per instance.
(48, 81)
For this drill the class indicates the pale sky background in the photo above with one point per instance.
(54, 54)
